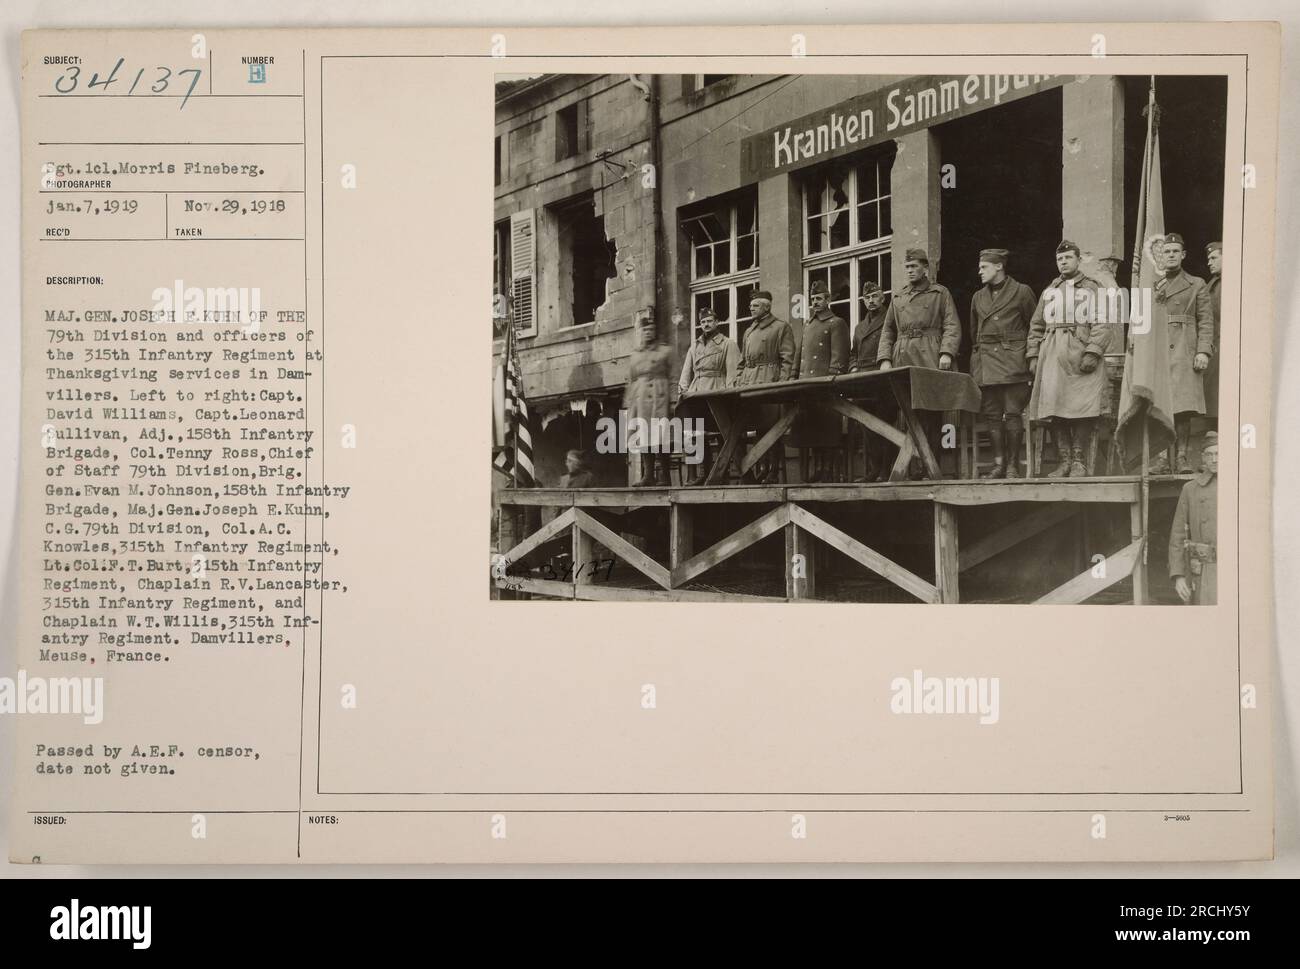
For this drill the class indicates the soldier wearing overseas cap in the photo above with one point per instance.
(768, 355)
(1193, 538)
(711, 364)
(824, 351)
(866, 342)
(1000, 312)
(921, 330)
(1068, 334)
(1214, 258)
(1183, 301)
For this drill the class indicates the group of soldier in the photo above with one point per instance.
(1036, 358)
(1040, 359)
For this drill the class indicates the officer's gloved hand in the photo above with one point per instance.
(945, 362)
(1182, 588)
(1089, 363)
(1033, 366)
(1200, 362)
(886, 365)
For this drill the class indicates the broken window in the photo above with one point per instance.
(587, 261)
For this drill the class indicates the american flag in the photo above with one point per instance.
(516, 456)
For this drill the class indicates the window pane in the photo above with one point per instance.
(815, 242)
(867, 224)
(722, 257)
(703, 262)
(841, 289)
(886, 218)
(839, 229)
(746, 217)
(745, 257)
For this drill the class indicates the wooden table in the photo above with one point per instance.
(738, 410)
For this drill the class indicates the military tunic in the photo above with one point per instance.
(1211, 376)
(921, 324)
(824, 352)
(1183, 302)
(1193, 538)
(768, 354)
(1000, 326)
(1067, 323)
(711, 364)
(648, 375)
(866, 340)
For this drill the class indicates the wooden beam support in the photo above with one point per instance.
(946, 568)
(850, 546)
(732, 436)
(1086, 585)
(681, 534)
(584, 551)
(629, 553)
(868, 420)
(552, 529)
(915, 431)
(738, 541)
(1137, 532)
(602, 592)
(801, 574)
(1038, 520)
(764, 443)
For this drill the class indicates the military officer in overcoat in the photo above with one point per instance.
(921, 330)
(712, 362)
(1068, 335)
(866, 343)
(824, 351)
(1184, 303)
(768, 355)
(647, 397)
(1000, 312)
(1193, 538)
(1213, 258)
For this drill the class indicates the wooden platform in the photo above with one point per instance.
(803, 526)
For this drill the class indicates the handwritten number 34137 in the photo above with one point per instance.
(70, 79)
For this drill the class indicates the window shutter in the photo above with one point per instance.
(523, 258)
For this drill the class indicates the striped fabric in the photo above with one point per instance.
(517, 457)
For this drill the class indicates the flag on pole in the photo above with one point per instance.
(515, 454)
(1146, 394)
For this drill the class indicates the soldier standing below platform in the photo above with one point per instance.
(1068, 335)
(921, 330)
(866, 343)
(823, 352)
(1183, 300)
(1193, 538)
(1000, 312)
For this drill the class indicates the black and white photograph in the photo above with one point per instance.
(858, 338)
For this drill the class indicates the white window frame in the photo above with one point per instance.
(733, 279)
(851, 254)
